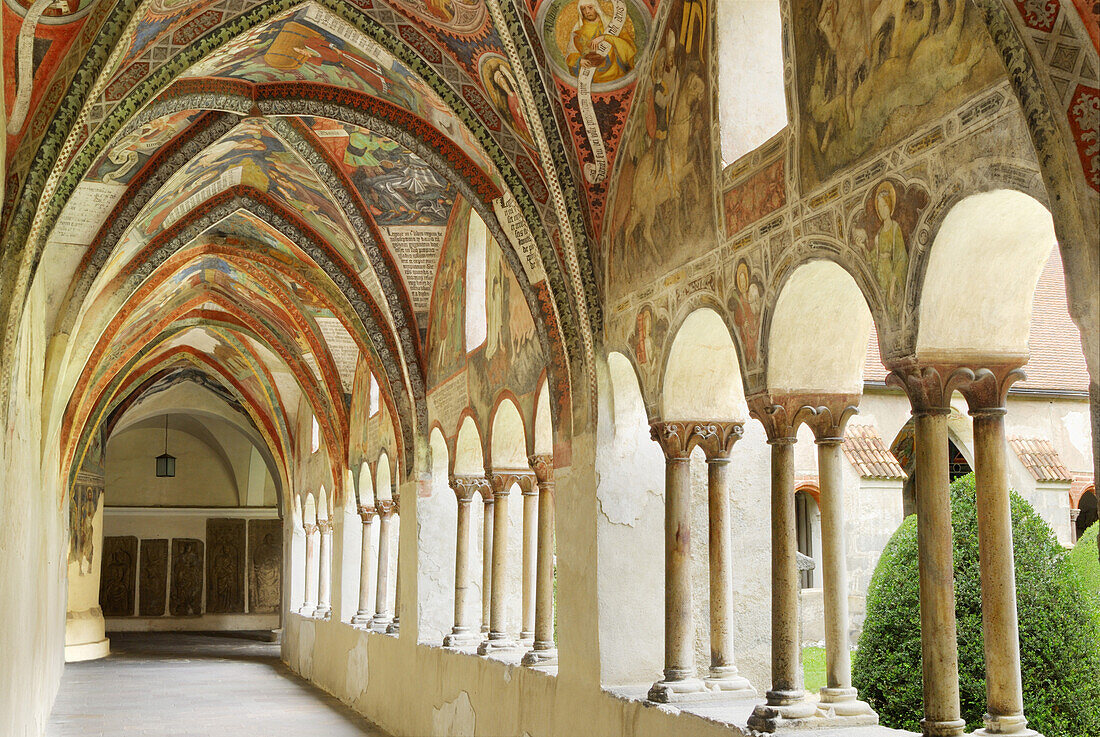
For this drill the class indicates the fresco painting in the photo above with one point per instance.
(883, 229)
(125, 158)
(746, 303)
(594, 47)
(500, 84)
(881, 70)
(447, 326)
(396, 184)
(763, 193)
(459, 17)
(658, 215)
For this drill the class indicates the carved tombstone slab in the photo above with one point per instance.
(187, 567)
(265, 565)
(153, 578)
(225, 540)
(117, 583)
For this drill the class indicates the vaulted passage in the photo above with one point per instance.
(535, 367)
(193, 684)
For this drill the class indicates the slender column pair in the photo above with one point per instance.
(394, 627)
(464, 633)
(543, 650)
(364, 615)
(382, 615)
(929, 388)
(324, 584)
(309, 603)
(677, 439)
(499, 640)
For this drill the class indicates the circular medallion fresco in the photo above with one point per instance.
(604, 36)
(59, 11)
(460, 17)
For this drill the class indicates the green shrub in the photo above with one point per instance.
(1082, 559)
(1059, 634)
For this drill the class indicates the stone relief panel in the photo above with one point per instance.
(117, 585)
(153, 578)
(874, 71)
(265, 565)
(225, 544)
(187, 577)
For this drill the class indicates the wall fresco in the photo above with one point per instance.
(874, 72)
(661, 211)
(83, 503)
(764, 192)
(447, 324)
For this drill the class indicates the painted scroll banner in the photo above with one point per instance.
(511, 219)
(596, 171)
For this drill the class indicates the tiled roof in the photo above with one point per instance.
(1040, 458)
(1057, 358)
(865, 450)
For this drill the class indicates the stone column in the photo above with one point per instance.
(716, 440)
(394, 627)
(382, 586)
(324, 584)
(486, 555)
(679, 681)
(530, 521)
(544, 651)
(309, 605)
(362, 617)
(499, 639)
(1000, 628)
(930, 396)
(838, 693)
(786, 699)
(463, 634)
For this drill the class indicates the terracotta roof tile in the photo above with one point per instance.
(1057, 358)
(865, 450)
(1040, 458)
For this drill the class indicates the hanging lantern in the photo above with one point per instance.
(166, 464)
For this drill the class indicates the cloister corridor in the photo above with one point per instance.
(186, 685)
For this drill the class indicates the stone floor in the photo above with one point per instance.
(195, 685)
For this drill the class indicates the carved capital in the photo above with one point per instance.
(930, 386)
(397, 502)
(325, 526)
(466, 486)
(503, 479)
(366, 514)
(830, 415)
(543, 466)
(309, 528)
(716, 438)
(781, 414)
(385, 508)
(673, 437)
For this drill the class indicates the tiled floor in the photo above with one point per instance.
(194, 685)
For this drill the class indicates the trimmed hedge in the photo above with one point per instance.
(1083, 560)
(1059, 634)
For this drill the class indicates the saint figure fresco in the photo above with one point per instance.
(883, 229)
(611, 56)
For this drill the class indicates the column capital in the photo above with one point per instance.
(309, 528)
(385, 508)
(929, 385)
(830, 416)
(503, 479)
(397, 502)
(543, 466)
(325, 526)
(466, 486)
(781, 414)
(365, 513)
(715, 437)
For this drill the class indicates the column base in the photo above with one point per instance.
(842, 702)
(945, 728)
(87, 651)
(805, 714)
(462, 638)
(677, 688)
(362, 620)
(307, 610)
(497, 643)
(379, 624)
(393, 628)
(1013, 725)
(322, 613)
(728, 681)
(538, 656)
